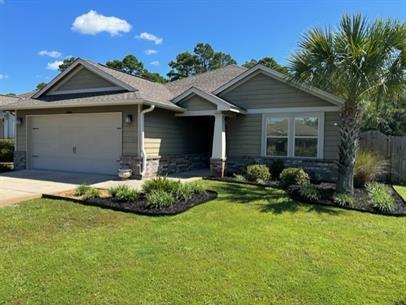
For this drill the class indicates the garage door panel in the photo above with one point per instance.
(76, 142)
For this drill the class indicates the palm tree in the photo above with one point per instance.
(358, 61)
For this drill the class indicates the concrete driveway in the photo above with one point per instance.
(29, 184)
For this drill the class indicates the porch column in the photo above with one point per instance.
(218, 156)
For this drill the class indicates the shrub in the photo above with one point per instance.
(6, 150)
(293, 175)
(310, 192)
(82, 189)
(379, 197)
(368, 166)
(124, 193)
(239, 178)
(344, 200)
(159, 199)
(160, 183)
(92, 193)
(276, 168)
(257, 172)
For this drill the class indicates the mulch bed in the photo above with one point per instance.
(138, 206)
(327, 191)
(273, 183)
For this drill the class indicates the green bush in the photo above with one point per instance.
(240, 178)
(310, 192)
(368, 166)
(379, 197)
(257, 172)
(159, 198)
(293, 175)
(276, 168)
(92, 193)
(160, 183)
(82, 189)
(87, 191)
(6, 150)
(345, 200)
(177, 189)
(124, 193)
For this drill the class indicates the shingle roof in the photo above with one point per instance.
(146, 90)
(208, 81)
(5, 99)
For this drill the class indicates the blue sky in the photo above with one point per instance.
(245, 29)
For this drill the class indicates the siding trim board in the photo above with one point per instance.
(293, 110)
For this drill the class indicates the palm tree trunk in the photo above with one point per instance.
(350, 124)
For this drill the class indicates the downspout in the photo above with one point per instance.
(142, 148)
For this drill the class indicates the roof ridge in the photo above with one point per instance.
(203, 73)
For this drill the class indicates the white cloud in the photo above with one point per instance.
(93, 23)
(150, 52)
(54, 65)
(53, 54)
(150, 37)
(3, 76)
(154, 63)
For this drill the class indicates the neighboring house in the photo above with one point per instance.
(92, 118)
(7, 118)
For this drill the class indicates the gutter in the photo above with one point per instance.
(142, 133)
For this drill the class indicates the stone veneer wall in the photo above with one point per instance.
(319, 170)
(20, 160)
(170, 164)
(164, 165)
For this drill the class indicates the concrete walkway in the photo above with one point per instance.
(29, 184)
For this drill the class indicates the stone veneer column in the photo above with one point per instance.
(20, 160)
(218, 156)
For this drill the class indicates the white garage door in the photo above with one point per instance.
(89, 142)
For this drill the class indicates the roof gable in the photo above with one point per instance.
(98, 80)
(260, 69)
(221, 105)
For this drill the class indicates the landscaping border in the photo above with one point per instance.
(299, 199)
(107, 203)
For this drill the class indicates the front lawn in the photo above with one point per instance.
(249, 246)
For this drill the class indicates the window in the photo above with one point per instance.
(306, 136)
(293, 135)
(277, 131)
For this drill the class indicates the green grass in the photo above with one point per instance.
(401, 190)
(250, 246)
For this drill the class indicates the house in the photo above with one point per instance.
(92, 118)
(7, 118)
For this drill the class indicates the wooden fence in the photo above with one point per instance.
(392, 148)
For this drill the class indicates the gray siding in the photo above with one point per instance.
(130, 133)
(244, 135)
(84, 79)
(331, 135)
(1, 129)
(166, 134)
(261, 91)
(197, 103)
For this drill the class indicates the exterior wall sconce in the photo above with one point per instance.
(19, 121)
(129, 119)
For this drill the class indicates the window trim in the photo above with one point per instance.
(291, 134)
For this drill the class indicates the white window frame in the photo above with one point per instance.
(291, 134)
